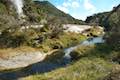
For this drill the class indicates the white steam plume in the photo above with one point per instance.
(19, 6)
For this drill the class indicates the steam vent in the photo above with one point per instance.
(19, 4)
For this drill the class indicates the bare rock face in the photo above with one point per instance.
(21, 60)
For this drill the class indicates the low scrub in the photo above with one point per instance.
(94, 63)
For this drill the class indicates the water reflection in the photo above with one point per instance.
(38, 68)
(89, 41)
(47, 66)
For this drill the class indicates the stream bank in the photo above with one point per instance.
(51, 61)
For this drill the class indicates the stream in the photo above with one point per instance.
(47, 66)
(89, 41)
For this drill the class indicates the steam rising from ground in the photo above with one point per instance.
(19, 6)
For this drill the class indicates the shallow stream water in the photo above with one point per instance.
(46, 66)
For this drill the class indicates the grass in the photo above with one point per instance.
(84, 69)
(64, 41)
(26, 38)
(94, 65)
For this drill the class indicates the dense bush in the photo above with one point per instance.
(111, 22)
(114, 28)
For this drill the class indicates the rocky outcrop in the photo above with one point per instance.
(20, 60)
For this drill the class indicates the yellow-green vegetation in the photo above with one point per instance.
(45, 40)
(71, 39)
(64, 40)
(84, 69)
(2, 8)
(94, 63)
(94, 31)
(111, 22)
(35, 11)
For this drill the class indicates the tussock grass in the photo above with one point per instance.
(64, 40)
(94, 63)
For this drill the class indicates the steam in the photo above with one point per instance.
(19, 6)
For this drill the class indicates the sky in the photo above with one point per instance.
(80, 9)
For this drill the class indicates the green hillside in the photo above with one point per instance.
(99, 61)
(106, 19)
(51, 12)
(35, 12)
(111, 22)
